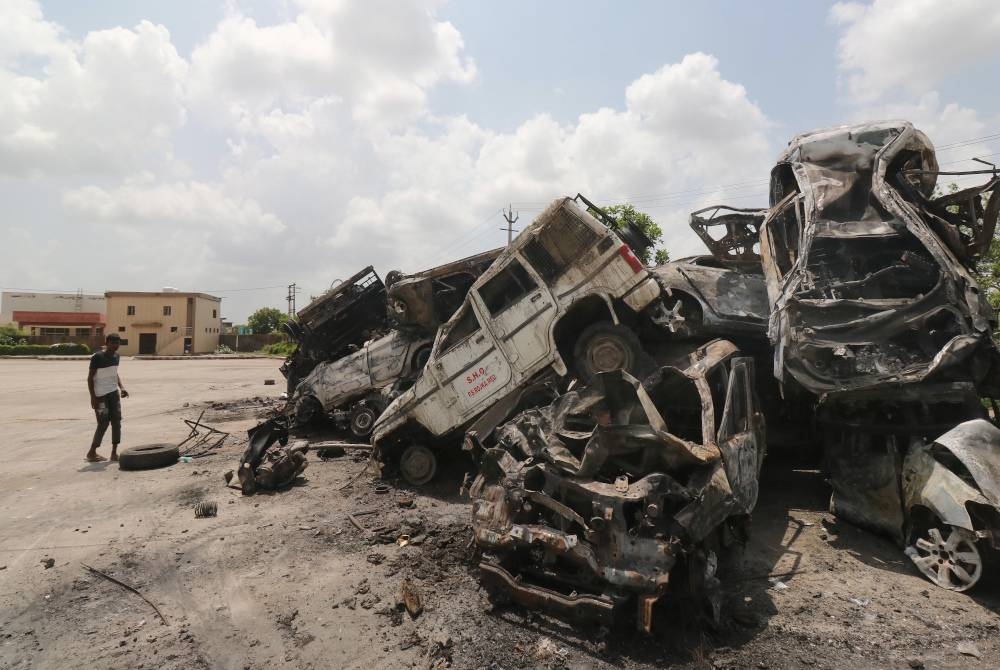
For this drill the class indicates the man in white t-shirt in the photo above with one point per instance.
(104, 382)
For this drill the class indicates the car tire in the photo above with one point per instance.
(418, 465)
(148, 456)
(363, 419)
(603, 347)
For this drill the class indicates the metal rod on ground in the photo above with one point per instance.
(130, 588)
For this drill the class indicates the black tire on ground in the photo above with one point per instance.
(418, 465)
(603, 347)
(363, 420)
(148, 456)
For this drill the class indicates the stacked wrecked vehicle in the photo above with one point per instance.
(363, 342)
(617, 442)
(877, 315)
(589, 504)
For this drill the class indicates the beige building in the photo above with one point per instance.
(167, 323)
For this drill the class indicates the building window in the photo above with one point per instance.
(54, 331)
(83, 332)
(215, 313)
(121, 329)
(166, 310)
(123, 342)
(130, 310)
(173, 329)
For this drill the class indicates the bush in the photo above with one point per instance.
(280, 348)
(10, 335)
(223, 349)
(62, 349)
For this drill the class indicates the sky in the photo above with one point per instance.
(236, 147)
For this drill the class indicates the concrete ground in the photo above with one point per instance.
(287, 580)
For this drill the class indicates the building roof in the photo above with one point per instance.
(52, 318)
(153, 294)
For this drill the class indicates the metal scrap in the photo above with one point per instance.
(609, 488)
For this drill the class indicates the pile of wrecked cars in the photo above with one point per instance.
(877, 315)
(612, 411)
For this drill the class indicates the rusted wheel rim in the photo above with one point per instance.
(950, 559)
(418, 464)
(362, 422)
(607, 353)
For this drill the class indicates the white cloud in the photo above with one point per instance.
(142, 201)
(105, 106)
(912, 45)
(378, 56)
(683, 128)
(316, 151)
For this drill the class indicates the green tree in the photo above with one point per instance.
(625, 214)
(266, 320)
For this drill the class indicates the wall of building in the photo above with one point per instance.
(170, 329)
(47, 302)
(207, 324)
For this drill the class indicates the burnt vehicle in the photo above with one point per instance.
(877, 315)
(722, 294)
(353, 390)
(335, 324)
(623, 492)
(355, 385)
(421, 302)
(951, 496)
(564, 293)
(869, 274)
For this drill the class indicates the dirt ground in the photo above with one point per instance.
(286, 580)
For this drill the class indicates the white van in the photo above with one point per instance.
(563, 295)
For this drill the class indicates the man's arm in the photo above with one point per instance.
(90, 385)
(124, 392)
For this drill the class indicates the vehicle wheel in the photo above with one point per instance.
(603, 347)
(948, 557)
(418, 464)
(363, 420)
(420, 359)
(148, 456)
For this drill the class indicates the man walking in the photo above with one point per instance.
(104, 382)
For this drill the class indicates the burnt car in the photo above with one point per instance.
(353, 390)
(356, 383)
(564, 293)
(335, 324)
(423, 301)
(722, 294)
(868, 272)
(951, 497)
(622, 492)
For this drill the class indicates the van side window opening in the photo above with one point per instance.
(558, 244)
(506, 288)
(463, 328)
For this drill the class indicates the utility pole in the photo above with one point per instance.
(291, 299)
(510, 216)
